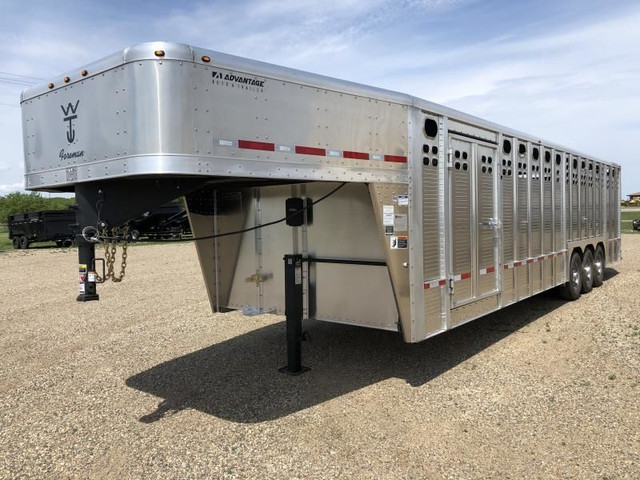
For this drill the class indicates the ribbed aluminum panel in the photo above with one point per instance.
(430, 214)
(536, 216)
(557, 213)
(583, 194)
(522, 210)
(433, 309)
(574, 184)
(461, 206)
(547, 207)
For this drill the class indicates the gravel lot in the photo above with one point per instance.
(147, 383)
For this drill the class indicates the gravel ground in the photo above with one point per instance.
(147, 383)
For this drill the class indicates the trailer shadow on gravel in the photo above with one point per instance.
(238, 379)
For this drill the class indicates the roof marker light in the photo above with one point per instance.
(51, 85)
(84, 73)
(206, 59)
(159, 53)
(67, 79)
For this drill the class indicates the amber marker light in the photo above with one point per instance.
(67, 79)
(84, 73)
(206, 59)
(159, 53)
(50, 85)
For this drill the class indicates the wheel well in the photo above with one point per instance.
(601, 245)
(577, 250)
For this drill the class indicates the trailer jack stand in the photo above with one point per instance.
(86, 275)
(293, 312)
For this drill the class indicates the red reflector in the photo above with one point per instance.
(310, 151)
(395, 158)
(529, 260)
(491, 269)
(256, 145)
(356, 155)
(464, 276)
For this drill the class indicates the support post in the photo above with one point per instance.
(86, 282)
(293, 311)
(85, 215)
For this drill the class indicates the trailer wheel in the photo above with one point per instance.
(16, 242)
(599, 262)
(571, 290)
(587, 271)
(134, 235)
(24, 242)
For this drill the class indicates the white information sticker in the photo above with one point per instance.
(400, 222)
(387, 215)
(402, 200)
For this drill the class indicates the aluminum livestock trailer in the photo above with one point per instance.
(395, 213)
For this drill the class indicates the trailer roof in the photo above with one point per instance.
(188, 53)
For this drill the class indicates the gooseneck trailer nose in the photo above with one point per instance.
(443, 217)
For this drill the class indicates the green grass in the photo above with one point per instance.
(5, 241)
(625, 221)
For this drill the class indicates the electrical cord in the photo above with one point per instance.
(268, 224)
(92, 234)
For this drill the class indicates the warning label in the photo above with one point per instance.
(398, 243)
(401, 200)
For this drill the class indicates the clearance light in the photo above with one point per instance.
(159, 53)
(67, 79)
(84, 73)
(206, 59)
(51, 85)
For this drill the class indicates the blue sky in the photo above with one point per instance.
(567, 71)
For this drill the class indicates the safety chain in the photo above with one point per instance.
(110, 249)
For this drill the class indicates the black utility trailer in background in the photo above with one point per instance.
(44, 226)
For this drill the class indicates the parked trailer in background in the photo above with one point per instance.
(43, 226)
(443, 217)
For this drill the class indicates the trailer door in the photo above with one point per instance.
(473, 223)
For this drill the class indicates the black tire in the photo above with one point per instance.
(16, 242)
(587, 271)
(67, 243)
(134, 236)
(599, 264)
(572, 289)
(24, 242)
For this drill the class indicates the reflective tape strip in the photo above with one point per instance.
(356, 155)
(529, 260)
(464, 276)
(484, 271)
(310, 150)
(395, 158)
(304, 150)
(434, 284)
(251, 145)
(517, 264)
(541, 258)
